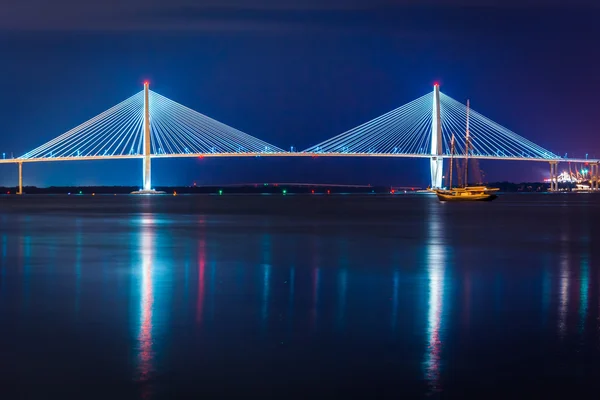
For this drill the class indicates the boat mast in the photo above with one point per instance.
(451, 160)
(570, 172)
(467, 144)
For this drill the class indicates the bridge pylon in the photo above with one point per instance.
(436, 162)
(147, 166)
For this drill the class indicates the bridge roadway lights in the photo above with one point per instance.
(554, 176)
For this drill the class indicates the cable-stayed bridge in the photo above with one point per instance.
(148, 126)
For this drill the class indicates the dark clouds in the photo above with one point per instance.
(229, 14)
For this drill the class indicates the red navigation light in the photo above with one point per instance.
(393, 191)
(436, 84)
(328, 191)
(312, 191)
(146, 82)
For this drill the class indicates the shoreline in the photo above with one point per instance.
(265, 188)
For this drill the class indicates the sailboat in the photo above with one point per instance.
(466, 193)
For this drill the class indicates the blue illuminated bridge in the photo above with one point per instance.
(148, 126)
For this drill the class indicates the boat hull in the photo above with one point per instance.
(148, 192)
(470, 197)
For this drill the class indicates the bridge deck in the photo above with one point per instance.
(287, 154)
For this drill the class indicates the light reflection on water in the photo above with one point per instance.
(78, 251)
(25, 255)
(342, 284)
(396, 288)
(583, 292)
(266, 270)
(4, 238)
(145, 339)
(436, 267)
(189, 299)
(201, 276)
(584, 278)
(342, 294)
(316, 272)
(565, 272)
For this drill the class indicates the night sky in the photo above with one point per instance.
(296, 73)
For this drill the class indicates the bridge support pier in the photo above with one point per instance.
(437, 172)
(20, 189)
(554, 176)
(594, 178)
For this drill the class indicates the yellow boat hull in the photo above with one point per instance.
(467, 194)
(473, 197)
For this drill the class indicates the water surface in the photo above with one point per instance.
(299, 296)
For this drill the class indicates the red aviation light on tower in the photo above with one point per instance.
(436, 84)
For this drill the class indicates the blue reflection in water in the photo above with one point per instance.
(563, 305)
(315, 296)
(546, 291)
(4, 252)
(499, 299)
(265, 293)
(467, 301)
(436, 258)
(584, 289)
(396, 284)
(342, 294)
(212, 288)
(78, 245)
(266, 270)
(585, 277)
(145, 340)
(4, 244)
(27, 241)
(186, 278)
(342, 282)
(396, 262)
(315, 260)
(291, 299)
(25, 255)
(356, 296)
(201, 276)
(3, 261)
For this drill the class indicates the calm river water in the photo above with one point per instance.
(299, 297)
